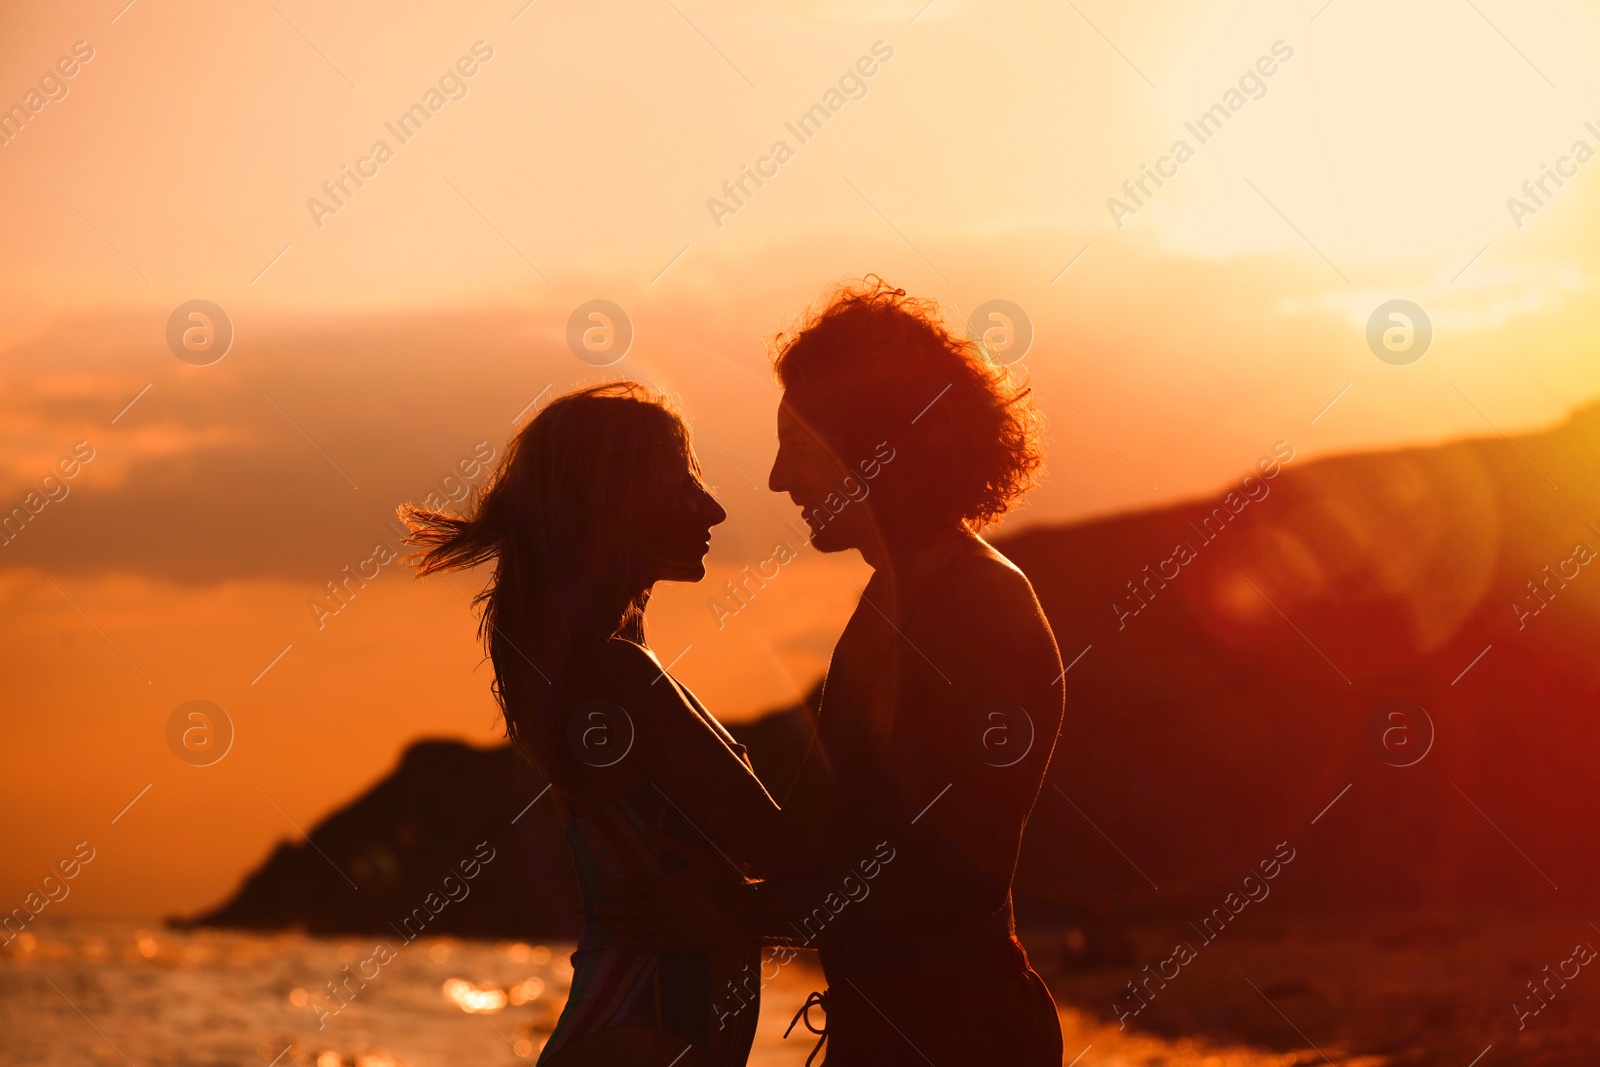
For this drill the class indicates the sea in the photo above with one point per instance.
(104, 993)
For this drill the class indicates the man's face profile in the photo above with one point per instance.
(828, 491)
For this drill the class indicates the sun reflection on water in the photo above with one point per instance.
(475, 999)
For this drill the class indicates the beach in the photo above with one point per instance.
(77, 991)
(120, 991)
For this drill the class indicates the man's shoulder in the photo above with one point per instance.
(983, 573)
(979, 593)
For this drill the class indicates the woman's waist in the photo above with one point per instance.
(594, 944)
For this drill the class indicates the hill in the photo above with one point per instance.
(1386, 660)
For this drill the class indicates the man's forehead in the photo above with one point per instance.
(795, 421)
(801, 406)
(788, 418)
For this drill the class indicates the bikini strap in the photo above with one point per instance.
(804, 1015)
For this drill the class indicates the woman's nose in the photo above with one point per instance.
(713, 511)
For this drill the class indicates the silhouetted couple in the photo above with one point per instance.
(894, 851)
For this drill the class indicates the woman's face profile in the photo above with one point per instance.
(679, 536)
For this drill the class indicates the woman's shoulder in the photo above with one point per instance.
(615, 657)
(627, 674)
(610, 669)
(623, 672)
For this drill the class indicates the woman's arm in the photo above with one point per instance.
(689, 760)
(952, 724)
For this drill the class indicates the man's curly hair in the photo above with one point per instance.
(874, 364)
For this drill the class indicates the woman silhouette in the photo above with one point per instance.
(598, 498)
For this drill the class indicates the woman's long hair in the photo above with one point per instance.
(560, 519)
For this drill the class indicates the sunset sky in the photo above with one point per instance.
(381, 336)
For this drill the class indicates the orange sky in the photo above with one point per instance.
(375, 350)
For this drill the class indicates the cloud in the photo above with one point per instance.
(1485, 297)
(287, 458)
(278, 461)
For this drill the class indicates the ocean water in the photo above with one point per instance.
(102, 992)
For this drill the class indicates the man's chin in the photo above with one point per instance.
(828, 539)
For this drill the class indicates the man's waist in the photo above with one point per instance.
(869, 947)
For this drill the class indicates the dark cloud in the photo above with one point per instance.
(288, 457)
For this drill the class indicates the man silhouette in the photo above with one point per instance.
(939, 714)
